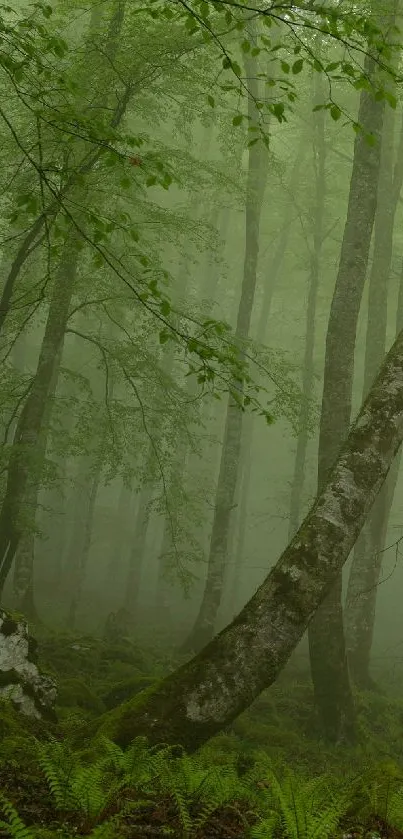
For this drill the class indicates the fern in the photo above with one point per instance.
(379, 792)
(14, 825)
(138, 766)
(304, 810)
(58, 764)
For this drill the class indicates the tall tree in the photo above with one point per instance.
(318, 217)
(204, 626)
(368, 553)
(326, 633)
(30, 424)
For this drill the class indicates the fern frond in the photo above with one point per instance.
(14, 825)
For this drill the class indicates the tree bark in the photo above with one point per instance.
(26, 450)
(326, 633)
(181, 460)
(367, 559)
(205, 695)
(81, 560)
(319, 205)
(24, 454)
(23, 579)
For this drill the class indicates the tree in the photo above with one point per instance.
(203, 629)
(206, 694)
(368, 552)
(326, 633)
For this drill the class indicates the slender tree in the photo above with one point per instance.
(326, 633)
(204, 626)
(368, 553)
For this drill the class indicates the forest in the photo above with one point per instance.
(201, 418)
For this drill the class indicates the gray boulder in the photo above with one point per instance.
(20, 680)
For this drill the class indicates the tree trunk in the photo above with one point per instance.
(137, 553)
(204, 627)
(319, 164)
(205, 695)
(24, 464)
(24, 454)
(23, 580)
(248, 430)
(208, 293)
(82, 559)
(367, 559)
(119, 542)
(326, 633)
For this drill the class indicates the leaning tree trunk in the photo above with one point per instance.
(326, 633)
(205, 695)
(367, 560)
(204, 627)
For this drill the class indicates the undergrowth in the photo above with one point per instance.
(119, 792)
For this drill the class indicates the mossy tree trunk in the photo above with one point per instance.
(205, 695)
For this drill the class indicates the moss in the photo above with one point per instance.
(125, 690)
(125, 653)
(76, 693)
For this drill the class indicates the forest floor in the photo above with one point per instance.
(268, 775)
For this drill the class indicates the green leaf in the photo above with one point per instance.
(245, 46)
(297, 66)
(237, 119)
(332, 66)
(335, 112)
(151, 180)
(285, 67)
(226, 62)
(165, 308)
(278, 111)
(210, 100)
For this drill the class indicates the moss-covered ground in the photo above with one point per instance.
(269, 775)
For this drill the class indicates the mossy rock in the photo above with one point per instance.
(125, 690)
(76, 693)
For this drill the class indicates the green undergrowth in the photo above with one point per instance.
(267, 775)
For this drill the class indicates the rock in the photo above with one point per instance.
(20, 680)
